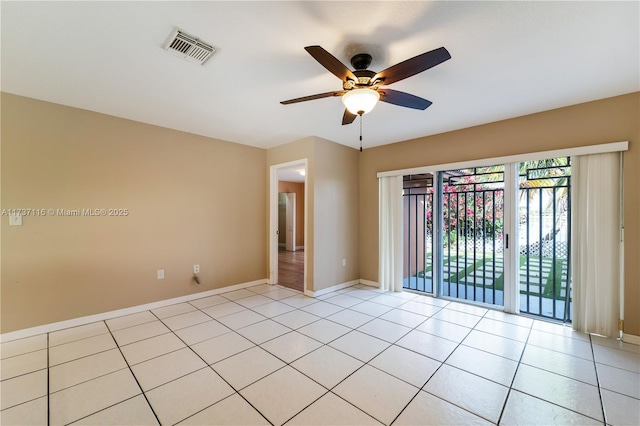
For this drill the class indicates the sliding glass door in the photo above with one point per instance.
(459, 225)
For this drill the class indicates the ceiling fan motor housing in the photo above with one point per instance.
(364, 79)
(361, 61)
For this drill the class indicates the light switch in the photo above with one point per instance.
(15, 219)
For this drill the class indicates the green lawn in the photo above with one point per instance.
(465, 274)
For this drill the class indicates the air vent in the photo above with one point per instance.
(188, 47)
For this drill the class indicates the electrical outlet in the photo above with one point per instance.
(196, 269)
(15, 219)
(344, 261)
(160, 274)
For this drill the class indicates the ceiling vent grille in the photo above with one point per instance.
(188, 47)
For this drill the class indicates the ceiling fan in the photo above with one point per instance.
(362, 88)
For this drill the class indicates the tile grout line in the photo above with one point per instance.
(131, 326)
(554, 373)
(272, 319)
(27, 374)
(288, 364)
(330, 390)
(103, 409)
(223, 399)
(437, 369)
(308, 405)
(531, 330)
(89, 380)
(595, 368)
(24, 353)
(298, 309)
(515, 373)
(461, 344)
(212, 369)
(81, 357)
(365, 363)
(374, 317)
(132, 374)
(48, 386)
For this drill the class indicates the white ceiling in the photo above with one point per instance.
(508, 59)
(292, 173)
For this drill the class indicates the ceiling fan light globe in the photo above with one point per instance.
(360, 101)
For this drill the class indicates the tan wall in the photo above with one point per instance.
(298, 189)
(608, 120)
(332, 200)
(336, 214)
(187, 199)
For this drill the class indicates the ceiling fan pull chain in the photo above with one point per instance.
(361, 132)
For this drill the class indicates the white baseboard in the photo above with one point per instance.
(311, 293)
(370, 283)
(49, 328)
(630, 338)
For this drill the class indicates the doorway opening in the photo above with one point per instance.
(288, 225)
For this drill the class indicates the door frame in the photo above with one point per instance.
(511, 250)
(273, 218)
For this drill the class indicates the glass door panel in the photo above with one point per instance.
(473, 234)
(417, 197)
(544, 231)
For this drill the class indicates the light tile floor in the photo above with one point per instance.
(268, 355)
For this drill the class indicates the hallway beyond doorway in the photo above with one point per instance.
(291, 269)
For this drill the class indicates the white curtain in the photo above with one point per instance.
(390, 271)
(596, 242)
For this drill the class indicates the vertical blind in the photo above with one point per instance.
(597, 247)
(390, 246)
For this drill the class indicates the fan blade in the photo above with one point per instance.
(403, 99)
(331, 63)
(312, 97)
(413, 66)
(348, 118)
